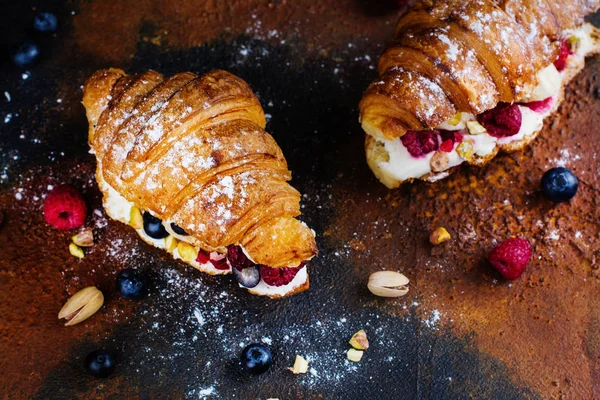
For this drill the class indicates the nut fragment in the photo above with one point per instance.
(76, 251)
(475, 128)
(187, 252)
(170, 243)
(465, 149)
(439, 161)
(355, 355)
(388, 284)
(300, 365)
(573, 43)
(135, 218)
(359, 340)
(440, 235)
(85, 238)
(455, 120)
(81, 305)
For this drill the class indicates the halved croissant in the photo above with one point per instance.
(468, 57)
(192, 150)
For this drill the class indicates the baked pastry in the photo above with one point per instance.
(186, 161)
(464, 79)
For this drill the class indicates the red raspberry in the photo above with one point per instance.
(279, 276)
(561, 61)
(539, 106)
(220, 262)
(419, 143)
(449, 138)
(65, 208)
(511, 257)
(238, 259)
(203, 256)
(503, 120)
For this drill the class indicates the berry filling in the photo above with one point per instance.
(238, 259)
(203, 257)
(219, 261)
(502, 121)
(279, 276)
(419, 143)
(540, 106)
(561, 61)
(449, 138)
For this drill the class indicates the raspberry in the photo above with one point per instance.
(65, 208)
(238, 259)
(511, 257)
(539, 106)
(419, 143)
(203, 257)
(503, 120)
(449, 138)
(561, 61)
(219, 262)
(279, 276)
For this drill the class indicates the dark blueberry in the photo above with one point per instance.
(153, 227)
(256, 358)
(178, 230)
(132, 284)
(45, 22)
(559, 184)
(100, 363)
(26, 54)
(248, 277)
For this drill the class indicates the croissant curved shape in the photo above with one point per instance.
(468, 56)
(192, 150)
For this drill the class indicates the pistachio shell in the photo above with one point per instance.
(85, 238)
(81, 305)
(388, 284)
(359, 340)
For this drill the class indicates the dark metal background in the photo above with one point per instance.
(460, 333)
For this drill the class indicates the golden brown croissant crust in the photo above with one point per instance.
(193, 150)
(464, 55)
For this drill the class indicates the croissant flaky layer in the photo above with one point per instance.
(192, 150)
(464, 55)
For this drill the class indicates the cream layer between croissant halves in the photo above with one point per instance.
(393, 164)
(118, 208)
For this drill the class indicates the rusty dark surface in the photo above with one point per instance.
(461, 332)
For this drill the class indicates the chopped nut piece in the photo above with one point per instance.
(81, 305)
(135, 218)
(76, 251)
(455, 120)
(475, 128)
(85, 238)
(465, 149)
(439, 161)
(440, 235)
(359, 340)
(187, 252)
(300, 365)
(388, 284)
(170, 243)
(573, 43)
(355, 355)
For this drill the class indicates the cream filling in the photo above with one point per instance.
(117, 207)
(402, 165)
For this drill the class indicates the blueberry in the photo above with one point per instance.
(153, 227)
(178, 230)
(100, 363)
(559, 184)
(132, 284)
(247, 277)
(256, 358)
(26, 54)
(45, 22)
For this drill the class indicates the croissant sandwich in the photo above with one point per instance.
(464, 79)
(186, 161)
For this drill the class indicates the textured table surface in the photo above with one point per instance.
(461, 332)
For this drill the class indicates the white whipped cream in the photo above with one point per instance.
(403, 166)
(117, 207)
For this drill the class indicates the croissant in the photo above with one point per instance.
(464, 79)
(186, 161)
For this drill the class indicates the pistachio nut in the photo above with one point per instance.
(439, 161)
(85, 238)
(455, 120)
(135, 218)
(187, 252)
(359, 340)
(76, 251)
(170, 243)
(475, 128)
(388, 284)
(81, 305)
(465, 150)
(300, 365)
(438, 236)
(355, 355)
